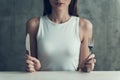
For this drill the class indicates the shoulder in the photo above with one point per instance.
(85, 24)
(32, 25)
(86, 27)
(33, 22)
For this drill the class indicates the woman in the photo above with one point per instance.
(59, 39)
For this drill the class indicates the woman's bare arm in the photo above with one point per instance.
(33, 64)
(85, 36)
(31, 29)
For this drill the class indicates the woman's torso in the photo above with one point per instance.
(58, 45)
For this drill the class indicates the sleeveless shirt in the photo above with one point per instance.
(58, 45)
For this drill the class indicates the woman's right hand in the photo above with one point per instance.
(33, 64)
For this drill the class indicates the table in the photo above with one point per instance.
(61, 75)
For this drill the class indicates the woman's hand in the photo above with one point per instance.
(33, 64)
(88, 64)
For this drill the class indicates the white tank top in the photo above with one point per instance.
(58, 45)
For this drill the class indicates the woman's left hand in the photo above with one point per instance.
(88, 64)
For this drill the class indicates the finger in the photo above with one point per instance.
(87, 68)
(88, 60)
(30, 57)
(91, 56)
(37, 65)
(93, 65)
(30, 69)
(88, 56)
(30, 66)
(33, 59)
(90, 66)
(92, 60)
(29, 62)
(36, 61)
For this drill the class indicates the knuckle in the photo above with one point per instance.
(29, 69)
(27, 61)
(32, 70)
(30, 65)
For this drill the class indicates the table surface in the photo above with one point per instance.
(60, 75)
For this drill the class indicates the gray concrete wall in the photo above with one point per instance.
(104, 14)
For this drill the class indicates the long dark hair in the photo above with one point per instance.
(73, 8)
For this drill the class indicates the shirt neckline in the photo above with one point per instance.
(59, 23)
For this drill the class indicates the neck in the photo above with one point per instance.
(59, 16)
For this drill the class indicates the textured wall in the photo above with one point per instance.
(104, 14)
(13, 16)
